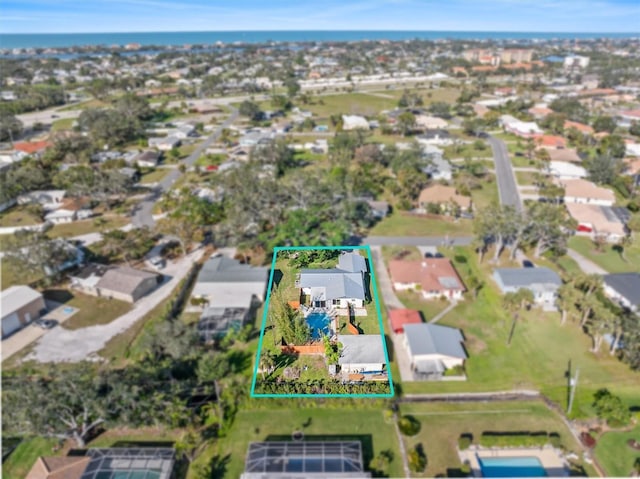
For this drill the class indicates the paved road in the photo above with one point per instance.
(64, 345)
(418, 240)
(507, 185)
(142, 214)
(47, 117)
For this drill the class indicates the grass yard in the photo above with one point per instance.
(467, 150)
(154, 176)
(278, 423)
(92, 310)
(409, 253)
(18, 216)
(84, 227)
(613, 453)
(93, 103)
(22, 459)
(609, 258)
(350, 104)
(525, 178)
(538, 356)
(404, 224)
(429, 308)
(64, 124)
(486, 195)
(442, 424)
(9, 276)
(520, 161)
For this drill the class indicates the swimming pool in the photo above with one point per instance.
(511, 467)
(319, 324)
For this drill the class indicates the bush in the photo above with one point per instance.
(555, 440)
(409, 425)
(464, 441)
(417, 459)
(455, 371)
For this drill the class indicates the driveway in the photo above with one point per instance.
(586, 265)
(63, 345)
(507, 185)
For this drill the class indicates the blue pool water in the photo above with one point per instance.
(511, 467)
(319, 324)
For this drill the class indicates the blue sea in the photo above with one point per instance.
(52, 40)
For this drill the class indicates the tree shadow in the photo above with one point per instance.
(277, 277)
(239, 360)
(58, 295)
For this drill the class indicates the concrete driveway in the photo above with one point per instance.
(63, 345)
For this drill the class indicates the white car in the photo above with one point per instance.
(157, 262)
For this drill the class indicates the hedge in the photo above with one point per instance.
(519, 439)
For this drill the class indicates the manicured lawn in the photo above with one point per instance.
(405, 224)
(92, 310)
(429, 308)
(467, 150)
(539, 353)
(208, 160)
(609, 259)
(22, 459)
(442, 424)
(64, 124)
(613, 453)
(18, 216)
(486, 195)
(279, 422)
(519, 161)
(84, 227)
(154, 176)
(525, 178)
(400, 252)
(350, 104)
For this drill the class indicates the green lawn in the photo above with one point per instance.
(83, 227)
(613, 453)
(609, 258)
(429, 308)
(467, 150)
(278, 423)
(92, 310)
(18, 216)
(538, 356)
(22, 459)
(9, 276)
(442, 424)
(519, 161)
(64, 124)
(405, 224)
(525, 178)
(486, 195)
(350, 104)
(154, 176)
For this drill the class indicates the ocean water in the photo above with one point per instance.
(47, 40)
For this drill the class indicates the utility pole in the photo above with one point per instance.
(573, 383)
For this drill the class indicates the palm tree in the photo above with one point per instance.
(267, 363)
(567, 299)
(623, 243)
(601, 322)
(512, 303)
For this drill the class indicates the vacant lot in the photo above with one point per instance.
(611, 257)
(405, 224)
(19, 216)
(77, 228)
(154, 176)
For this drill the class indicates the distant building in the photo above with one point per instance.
(433, 349)
(542, 282)
(354, 122)
(120, 282)
(20, 306)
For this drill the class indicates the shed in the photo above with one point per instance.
(20, 305)
(363, 353)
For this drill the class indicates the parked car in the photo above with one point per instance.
(45, 323)
(157, 262)
(527, 264)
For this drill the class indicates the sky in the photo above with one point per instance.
(84, 16)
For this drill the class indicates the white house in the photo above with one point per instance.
(542, 282)
(49, 199)
(566, 171)
(362, 354)
(584, 191)
(433, 349)
(354, 122)
(164, 143)
(520, 128)
(20, 305)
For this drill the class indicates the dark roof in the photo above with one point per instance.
(327, 459)
(148, 155)
(221, 269)
(124, 279)
(523, 277)
(434, 339)
(92, 269)
(626, 285)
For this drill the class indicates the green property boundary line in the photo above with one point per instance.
(374, 287)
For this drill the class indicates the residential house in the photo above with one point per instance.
(600, 221)
(120, 282)
(433, 349)
(165, 143)
(551, 142)
(340, 287)
(399, 318)
(584, 191)
(539, 111)
(97, 463)
(444, 196)
(568, 155)
(20, 306)
(435, 137)
(379, 209)
(566, 171)
(434, 277)
(354, 122)
(183, 131)
(581, 127)
(624, 288)
(362, 354)
(626, 118)
(33, 148)
(632, 149)
(542, 282)
(438, 168)
(309, 459)
(70, 210)
(146, 159)
(49, 199)
(520, 128)
(426, 122)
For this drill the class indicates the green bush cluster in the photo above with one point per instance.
(409, 425)
(320, 387)
(464, 441)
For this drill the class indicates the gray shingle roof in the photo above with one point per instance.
(524, 277)
(337, 283)
(222, 269)
(434, 339)
(123, 279)
(626, 285)
(352, 262)
(361, 349)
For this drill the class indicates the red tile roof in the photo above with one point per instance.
(400, 317)
(31, 147)
(550, 141)
(581, 127)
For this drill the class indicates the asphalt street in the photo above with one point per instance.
(507, 186)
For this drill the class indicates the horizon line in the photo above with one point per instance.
(325, 30)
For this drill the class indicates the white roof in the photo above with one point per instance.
(565, 169)
(15, 297)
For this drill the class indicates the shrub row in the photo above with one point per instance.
(320, 387)
(512, 439)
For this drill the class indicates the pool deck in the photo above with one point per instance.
(551, 459)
